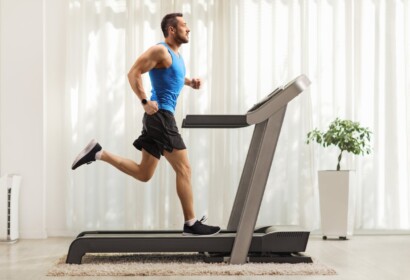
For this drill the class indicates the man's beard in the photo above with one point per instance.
(181, 40)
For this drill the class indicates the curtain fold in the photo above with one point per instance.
(356, 53)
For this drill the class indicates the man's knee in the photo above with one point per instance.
(146, 168)
(144, 173)
(144, 177)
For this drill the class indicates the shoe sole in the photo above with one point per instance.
(85, 151)
(200, 235)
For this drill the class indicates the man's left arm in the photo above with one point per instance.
(193, 83)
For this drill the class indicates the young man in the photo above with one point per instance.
(160, 134)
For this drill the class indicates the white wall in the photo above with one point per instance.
(31, 77)
(55, 59)
(22, 107)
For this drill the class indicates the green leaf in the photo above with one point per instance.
(347, 135)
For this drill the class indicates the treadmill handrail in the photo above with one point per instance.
(258, 113)
(214, 121)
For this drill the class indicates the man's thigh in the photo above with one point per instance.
(148, 162)
(177, 158)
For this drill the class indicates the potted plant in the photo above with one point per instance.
(336, 186)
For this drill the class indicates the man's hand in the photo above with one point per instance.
(196, 83)
(151, 107)
(193, 83)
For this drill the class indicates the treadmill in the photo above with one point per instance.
(240, 242)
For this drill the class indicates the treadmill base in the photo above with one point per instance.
(261, 258)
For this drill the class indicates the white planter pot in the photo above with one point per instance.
(337, 203)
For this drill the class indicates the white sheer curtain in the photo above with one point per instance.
(357, 54)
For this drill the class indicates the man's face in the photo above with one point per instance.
(181, 34)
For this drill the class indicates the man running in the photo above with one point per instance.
(160, 135)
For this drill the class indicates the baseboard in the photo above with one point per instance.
(33, 234)
(381, 232)
(61, 233)
(46, 234)
(370, 232)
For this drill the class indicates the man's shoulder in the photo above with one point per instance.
(159, 49)
(158, 55)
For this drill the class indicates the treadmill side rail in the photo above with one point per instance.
(277, 242)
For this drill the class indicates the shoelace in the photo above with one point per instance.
(203, 219)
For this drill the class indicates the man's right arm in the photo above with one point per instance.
(147, 61)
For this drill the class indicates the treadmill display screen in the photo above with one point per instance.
(267, 98)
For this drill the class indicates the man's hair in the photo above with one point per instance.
(169, 20)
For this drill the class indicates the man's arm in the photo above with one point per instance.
(147, 61)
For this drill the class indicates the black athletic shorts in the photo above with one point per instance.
(159, 133)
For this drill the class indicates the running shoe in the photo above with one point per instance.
(87, 155)
(199, 228)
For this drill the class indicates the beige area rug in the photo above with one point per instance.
(176, 264)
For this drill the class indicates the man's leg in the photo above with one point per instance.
(94, 151)
(142, 172)
(180, 163)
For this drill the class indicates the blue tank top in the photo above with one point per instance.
(167, 83)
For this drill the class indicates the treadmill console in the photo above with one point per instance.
(266, 99)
